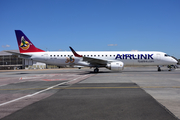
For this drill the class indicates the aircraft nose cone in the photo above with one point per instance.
(174, 61)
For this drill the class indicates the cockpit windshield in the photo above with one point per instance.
(167, 55)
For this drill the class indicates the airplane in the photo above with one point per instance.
(112, 60)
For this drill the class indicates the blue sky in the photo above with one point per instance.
(93, 25)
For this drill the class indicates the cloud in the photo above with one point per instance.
(5, 46)
(112, 44)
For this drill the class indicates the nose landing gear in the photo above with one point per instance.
(169, 66)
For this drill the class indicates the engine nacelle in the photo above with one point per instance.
(115, 66)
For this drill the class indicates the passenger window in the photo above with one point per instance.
(51, 55)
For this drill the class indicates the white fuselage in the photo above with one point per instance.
(129, 58)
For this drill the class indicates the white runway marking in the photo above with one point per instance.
(40, 91)
(22, 78)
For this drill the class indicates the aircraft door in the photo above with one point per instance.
(46, 56)
(158, 56)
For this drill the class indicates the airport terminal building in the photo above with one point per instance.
(9, 61)
(12, 62)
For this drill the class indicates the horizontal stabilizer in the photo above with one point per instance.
(19, 54)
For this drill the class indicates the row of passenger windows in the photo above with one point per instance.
(83, 55)
(99, 55)
(61, 55)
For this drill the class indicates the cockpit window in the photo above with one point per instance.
(167, 55)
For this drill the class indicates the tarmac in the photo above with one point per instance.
(138, 93)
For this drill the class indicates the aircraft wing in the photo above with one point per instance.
(95, 61)
(19, 54)
(92, 61)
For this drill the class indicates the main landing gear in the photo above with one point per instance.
(159, 68)
(96, 70)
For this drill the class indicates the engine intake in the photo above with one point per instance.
(115, 66)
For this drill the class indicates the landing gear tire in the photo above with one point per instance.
(159, 69)
(96, 70)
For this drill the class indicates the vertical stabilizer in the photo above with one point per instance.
(24, 44)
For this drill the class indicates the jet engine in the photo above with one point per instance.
(115, 66)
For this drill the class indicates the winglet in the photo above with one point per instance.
(74, 52)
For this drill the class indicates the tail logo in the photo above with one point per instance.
(24, 44)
